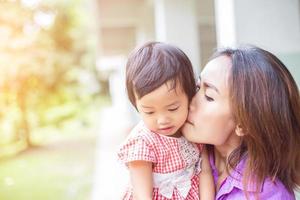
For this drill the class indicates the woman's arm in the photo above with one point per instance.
(141, 179)
(206, 182)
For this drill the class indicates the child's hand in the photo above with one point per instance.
(141, 179)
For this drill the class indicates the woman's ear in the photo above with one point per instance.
(239, 131)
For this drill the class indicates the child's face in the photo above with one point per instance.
(164, 110)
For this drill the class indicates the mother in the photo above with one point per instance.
(248, 110)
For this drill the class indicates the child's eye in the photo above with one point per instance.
(148, 113)
(173, 109)
(208, 98)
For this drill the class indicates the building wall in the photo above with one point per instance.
(273, 25)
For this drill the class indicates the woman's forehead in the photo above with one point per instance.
(216, 72)
(217, 68)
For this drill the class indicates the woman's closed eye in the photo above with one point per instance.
(208, 98)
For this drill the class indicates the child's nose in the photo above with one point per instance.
(163, 120)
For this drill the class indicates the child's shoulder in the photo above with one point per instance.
(138, 146)
(140, 131)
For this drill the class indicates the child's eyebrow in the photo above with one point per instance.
(146, 106)
(171, 104)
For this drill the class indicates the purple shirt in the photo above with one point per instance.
(232, 187)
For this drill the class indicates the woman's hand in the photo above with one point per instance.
(206, 182)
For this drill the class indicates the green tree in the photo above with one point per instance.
(44, 47)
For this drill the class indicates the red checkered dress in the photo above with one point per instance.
(171, 157)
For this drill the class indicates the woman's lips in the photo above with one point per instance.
(189, 122)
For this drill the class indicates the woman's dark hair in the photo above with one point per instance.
(152, 65)
(265, 103)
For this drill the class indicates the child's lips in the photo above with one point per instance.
(166, 128)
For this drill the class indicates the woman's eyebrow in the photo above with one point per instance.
(209, 85)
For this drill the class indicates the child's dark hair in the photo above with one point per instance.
(152, 65)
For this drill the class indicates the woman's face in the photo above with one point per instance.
(210, 120)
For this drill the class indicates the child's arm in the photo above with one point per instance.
(141, 179)
(206, 183)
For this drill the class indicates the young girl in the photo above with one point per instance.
(162, 163)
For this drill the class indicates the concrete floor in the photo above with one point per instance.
(110, 177)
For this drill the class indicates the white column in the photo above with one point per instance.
(176, 23)
(225, 23)
(271, 24)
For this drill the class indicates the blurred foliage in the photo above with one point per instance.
(47, 53)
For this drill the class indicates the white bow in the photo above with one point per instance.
(166, 183)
